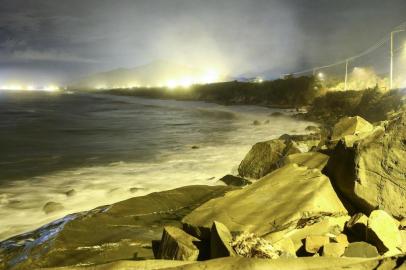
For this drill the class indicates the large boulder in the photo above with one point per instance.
(304, 142)
(314, 243)
(51, 207)
(379, 229)
(341, 238)
(122, 231)
(361, 250)
(287, 246)
(370, 172)
(265, 157)
(334, 249)
(282, 201)
(231, 180)
(383, 232)
(319, 225)
(178, 245)
(220, 241)
(350, 126)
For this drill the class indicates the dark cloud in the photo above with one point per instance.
(56, 37)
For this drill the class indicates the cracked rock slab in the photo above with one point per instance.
(350, 126)
(178, 245)
(277, 202)
(383, 232)
(121, 231)
(371, 172)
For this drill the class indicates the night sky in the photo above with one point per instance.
(60, 40)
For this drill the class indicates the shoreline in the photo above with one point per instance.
(262, 132)
(282, 158)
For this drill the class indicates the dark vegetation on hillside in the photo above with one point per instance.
(292, 92)
(323, 107)
(371, 104)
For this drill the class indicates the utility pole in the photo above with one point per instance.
(391, 56)
(346, 75)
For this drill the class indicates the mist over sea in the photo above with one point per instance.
(110, 148)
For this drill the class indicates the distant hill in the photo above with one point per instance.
(158, 73)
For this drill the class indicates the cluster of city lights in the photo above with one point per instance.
(259, 80)
(211, 76)
(18, 87)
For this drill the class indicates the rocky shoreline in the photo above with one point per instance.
(331, 199)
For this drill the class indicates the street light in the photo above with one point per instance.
(391, 55)
(346, 75)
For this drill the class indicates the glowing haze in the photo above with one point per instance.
(47, 42)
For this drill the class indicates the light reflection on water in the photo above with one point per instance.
(110, 148)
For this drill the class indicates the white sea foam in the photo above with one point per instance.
(21, 202)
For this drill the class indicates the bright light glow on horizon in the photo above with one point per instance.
(178, 80)
(51, 88)
(171, 84)
(19, 87)
(101, 87)
(259, 80)
(186, 82)
(211, 76)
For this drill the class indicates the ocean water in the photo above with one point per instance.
(110, 148)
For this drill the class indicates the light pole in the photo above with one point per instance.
(346, 74)
(391, 55)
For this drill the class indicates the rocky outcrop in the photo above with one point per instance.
(264, 157)
(335, 250)
(379, 229)
(287, 246)
(314, 129)
(313, 243)
(220, 241)
(350, 126)
(304, 142)
(178, 245)
(311, 160)
(370, 171)
(231, 180)
(341, 238)
(248, 245)
(70, 193)
(122, 231)
(50, 207)
(383, 232)
(287, 199)
(361, 250)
